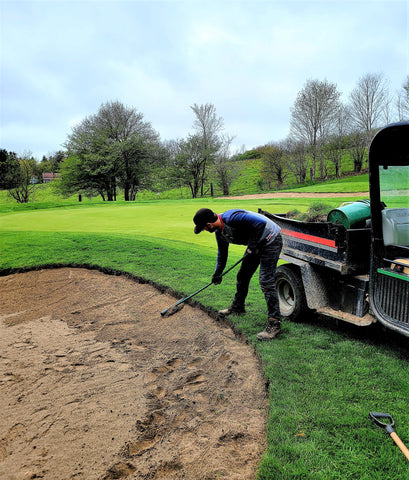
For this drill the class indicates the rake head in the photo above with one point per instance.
(172, 310)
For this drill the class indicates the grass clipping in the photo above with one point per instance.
(317, 212)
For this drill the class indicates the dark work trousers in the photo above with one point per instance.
(267, 258)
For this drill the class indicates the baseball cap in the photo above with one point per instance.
(202, 218)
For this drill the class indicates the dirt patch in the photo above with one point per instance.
(257, 196)
(97, 385)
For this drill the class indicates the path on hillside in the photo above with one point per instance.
(296, 195)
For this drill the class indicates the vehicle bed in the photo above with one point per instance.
(324, 243)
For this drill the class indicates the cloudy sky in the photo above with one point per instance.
(61, 59)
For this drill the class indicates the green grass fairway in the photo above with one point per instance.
(324, 378)
(168, 219)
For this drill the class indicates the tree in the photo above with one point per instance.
(312, 116)
(9, 170)
(357, 149)
(171, 172)
(136, 145)
(80, 174)
(115, 147)
(296, 154)
(189, 159)
(24, 181)
(402, 103)
(207, 140)
(96, 165)
(133, 156)
(333, 153)
(190, 163)
(273, 164)
(367, 104)
(334, 148)
(223, 167)
(52, 162)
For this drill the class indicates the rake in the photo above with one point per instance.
(176, 307)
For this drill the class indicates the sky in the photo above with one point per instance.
(60, 60)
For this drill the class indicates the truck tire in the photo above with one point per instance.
(291, 294)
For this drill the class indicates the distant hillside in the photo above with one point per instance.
(248, 180)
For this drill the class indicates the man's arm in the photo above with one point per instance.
(222, 253)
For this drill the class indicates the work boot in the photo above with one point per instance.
(272, 330)
(230, 310)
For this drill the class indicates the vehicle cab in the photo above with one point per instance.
(389, 192)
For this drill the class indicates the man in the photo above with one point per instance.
(263, 240)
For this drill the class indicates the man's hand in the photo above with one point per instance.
(253, 251)
(217, 279)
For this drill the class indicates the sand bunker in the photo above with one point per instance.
(97, 385)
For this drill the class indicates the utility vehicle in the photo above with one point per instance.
(355, 266)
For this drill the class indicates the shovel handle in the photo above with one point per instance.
(400, 444)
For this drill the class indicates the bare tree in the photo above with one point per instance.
(388, 108)
(170, 172)
(334, 154)
(358, 149)
(273, 164)
(334, 148)
(402, 103)
(312, 116)
(208, 127)
(367, 104)
(296, 154)
(224, 169)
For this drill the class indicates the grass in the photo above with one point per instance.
(353, 184)
(324, 378)
(332, 377)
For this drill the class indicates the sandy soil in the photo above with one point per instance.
(95, 384)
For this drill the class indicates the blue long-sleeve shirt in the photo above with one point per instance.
(243, 227)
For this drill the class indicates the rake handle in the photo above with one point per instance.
(201, 289)
(211, 283)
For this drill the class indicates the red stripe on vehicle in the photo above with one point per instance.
(309, 238)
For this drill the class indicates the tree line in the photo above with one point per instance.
(117, 149)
